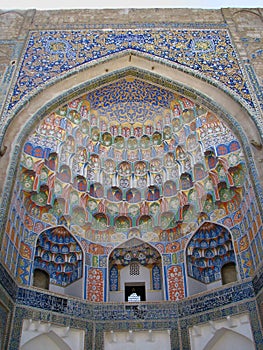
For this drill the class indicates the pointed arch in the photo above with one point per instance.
(41, 279)
(60, 255)
(135, 263)
(208, 250)
(48, 340)
(228, 339)
(172, 77)
(140, 68)
(229, 273)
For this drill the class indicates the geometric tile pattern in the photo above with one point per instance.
(211, 306)
(23, 270)
(51, 53)
(3, 323)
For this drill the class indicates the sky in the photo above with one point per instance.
(92, 4)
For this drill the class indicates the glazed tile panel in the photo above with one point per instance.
(154, 311)
(207, 52)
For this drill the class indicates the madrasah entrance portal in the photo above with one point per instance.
(126, 192)
(129, 174)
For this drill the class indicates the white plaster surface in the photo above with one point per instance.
(143, 277)
(137, 340)
(42, 336)
(228, 333)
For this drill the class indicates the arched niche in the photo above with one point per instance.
(227, 339)
(229, 273)
(41, 279)
(48, 340)
(135, 272)
(58, 262)
(23, 120)
(86, 81)
(233, 331)
(46, 335)
(175, 77)
(210, 258)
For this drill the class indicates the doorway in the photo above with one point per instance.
(136, 264)
(135, 292)
(41, 279)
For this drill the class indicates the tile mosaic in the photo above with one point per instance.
(205, 51)
(7, 282)
(208, 52)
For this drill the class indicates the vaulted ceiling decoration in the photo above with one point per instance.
(131, 158)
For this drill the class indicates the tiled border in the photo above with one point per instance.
(132, 312)
(175, 316)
